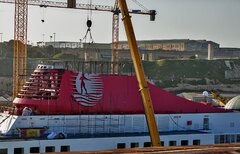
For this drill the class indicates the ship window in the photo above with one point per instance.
(147, 144)
(172, 143)
(238, 138)
(227, 139)
(162, 143)
(184, 142)
(34, 150)
(50, 149)
(65, 148)
(134, 145)
(18, 150)
(222, 138)
(217, 139)
(197, 142)
(3, 151)
(233, 138)
(121, 145)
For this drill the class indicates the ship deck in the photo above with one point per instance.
(9, 138)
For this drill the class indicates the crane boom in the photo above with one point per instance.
(222, 99)
(143, 87)
(80, 6)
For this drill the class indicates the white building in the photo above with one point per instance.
(61, 44)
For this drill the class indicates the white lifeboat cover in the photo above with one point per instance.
(234, 103)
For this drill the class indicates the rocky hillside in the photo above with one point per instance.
(195, 75)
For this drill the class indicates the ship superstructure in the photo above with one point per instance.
(51, 90)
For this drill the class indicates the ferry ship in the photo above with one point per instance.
(75, 111)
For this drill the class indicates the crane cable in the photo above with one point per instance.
(89, 25)
(43, 7)
(139, 4)
(89, 15)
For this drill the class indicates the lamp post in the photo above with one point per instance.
(54, 46)
(54, 36)
(1, 36)
(43, 40)
(54, 39)
(1, 42)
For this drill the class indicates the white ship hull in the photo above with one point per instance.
(100, 132)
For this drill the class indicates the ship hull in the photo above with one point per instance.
(100, 132)
(99, 143)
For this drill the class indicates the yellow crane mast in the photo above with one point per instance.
(143, 87)
(115, 38)
(20, 45)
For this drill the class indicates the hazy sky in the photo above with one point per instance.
(216, 20)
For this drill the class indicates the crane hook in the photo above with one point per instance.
(89, 23)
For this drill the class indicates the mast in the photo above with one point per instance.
(143, 87)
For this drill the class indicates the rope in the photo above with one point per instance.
(5, 119)
(176, 122)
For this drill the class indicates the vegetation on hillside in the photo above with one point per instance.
(171, 72)
(163, 73)
(33, 51)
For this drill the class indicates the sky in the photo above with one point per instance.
(215, 20)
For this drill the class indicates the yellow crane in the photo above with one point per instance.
(143, 87)
(20, 45)
(221, 98)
